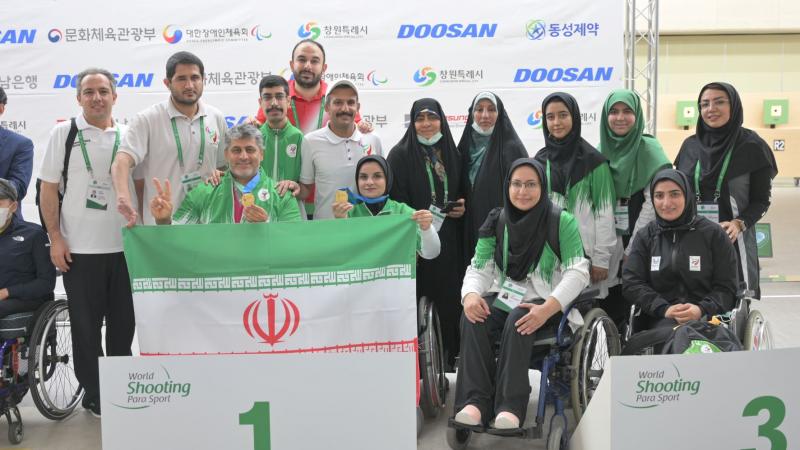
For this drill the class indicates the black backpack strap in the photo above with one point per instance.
(552, 231)
(73, 133)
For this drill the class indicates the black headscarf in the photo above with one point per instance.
(486, 193)
(527, 230)
(375, 208)
(407, 160)
(689, 214)
(571, 158)
(708, 145)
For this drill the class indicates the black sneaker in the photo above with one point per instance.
(94, 408)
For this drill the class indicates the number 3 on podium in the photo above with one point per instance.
(776, 412)
(258, 417)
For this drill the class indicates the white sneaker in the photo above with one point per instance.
(506, 421)
(469, 415)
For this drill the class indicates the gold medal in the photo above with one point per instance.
(248, 200)
(341, 196)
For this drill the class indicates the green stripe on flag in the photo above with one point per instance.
(252, 250)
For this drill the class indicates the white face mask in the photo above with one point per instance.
(5, 214)
(433, 139)
(481, 131)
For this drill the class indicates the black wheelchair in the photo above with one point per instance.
(36, 352)
(750, 327)
(433, 383)
(571, 365)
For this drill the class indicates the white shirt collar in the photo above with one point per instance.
(334, 139)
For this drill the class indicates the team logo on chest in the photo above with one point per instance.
(291, 150)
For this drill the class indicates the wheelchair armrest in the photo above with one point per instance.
(586, 297)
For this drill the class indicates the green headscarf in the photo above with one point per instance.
(634, 158)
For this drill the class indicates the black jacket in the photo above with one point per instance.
(25, 266)
(710, 283)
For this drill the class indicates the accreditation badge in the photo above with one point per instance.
(438, 217)
(98, 194)
(655, 263)
(190, 181)
(709, 210)
(510, 295)
(621, 219)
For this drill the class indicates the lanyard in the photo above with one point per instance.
(252, 184)
(86, 154)
(505, 256)
(180, 147)
(433, 188)
(722, 173)
(319, 119)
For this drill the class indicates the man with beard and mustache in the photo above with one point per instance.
(307, 91)
(244, 194)
(282, 140)
(330, 154)
(178, 139)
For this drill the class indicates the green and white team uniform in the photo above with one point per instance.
(286, 144)
(215, 204)
(428, 245)
(561, 276)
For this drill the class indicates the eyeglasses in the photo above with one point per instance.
(278, 97)
(529, 186)
(718, 103)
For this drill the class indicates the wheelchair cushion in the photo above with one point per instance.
(17, 325)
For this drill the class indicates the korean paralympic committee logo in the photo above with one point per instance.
(256, 33)
(54, 35)
(425, 76)
(373, 78)
(535, 29)
(272, 335)
(310, 29)
(172, 34)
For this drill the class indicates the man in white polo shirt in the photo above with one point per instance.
(85, 235)
(178, 139)
(330, 154)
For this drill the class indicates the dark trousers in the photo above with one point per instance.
(15, 305)
(501, 386)
(98, 287)
(616, 306)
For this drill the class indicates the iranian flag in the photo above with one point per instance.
(320, 286)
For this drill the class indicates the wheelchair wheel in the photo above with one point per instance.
(458, 438)
(556, 440)
(431, 361)
(757, 334)
(597, 342)
(51, 376)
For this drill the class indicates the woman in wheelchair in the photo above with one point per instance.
(27, 277)
(517, 283)
(682, 266)
(374, 181)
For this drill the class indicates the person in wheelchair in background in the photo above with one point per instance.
(27, 276)
(516, 284)
(682, 266)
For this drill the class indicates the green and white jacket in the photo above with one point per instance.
(560, 276)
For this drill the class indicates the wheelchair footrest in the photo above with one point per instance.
(534, 432)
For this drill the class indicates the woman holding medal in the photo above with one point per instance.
(373, 183)
(634, 158)
(528, 267)
(427, 176)
(731, 169)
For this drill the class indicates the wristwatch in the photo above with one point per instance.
(740, 223)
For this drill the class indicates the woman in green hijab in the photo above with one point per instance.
(634, 158)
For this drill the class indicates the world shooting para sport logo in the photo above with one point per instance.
(172, 34)
(425, 76)
(272, 335)
(309, 30)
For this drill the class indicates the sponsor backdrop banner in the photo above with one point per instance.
(737, 400)
(285, 288)
(258, 402)
(522, 50)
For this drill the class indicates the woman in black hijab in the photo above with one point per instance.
(581, 182)
(731, 169)
(682, 265)
(530, 281)
(427, 176)
(488, 146)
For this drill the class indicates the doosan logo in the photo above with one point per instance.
(445, 30)
(18, 36)
(563, 74)
(124, 80)
(272, 335)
